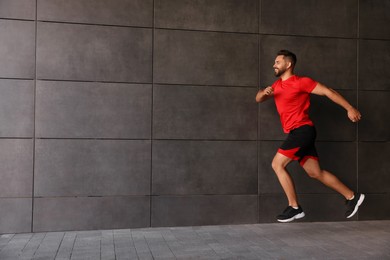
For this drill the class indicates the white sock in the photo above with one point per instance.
(295, 207)
(352, 197)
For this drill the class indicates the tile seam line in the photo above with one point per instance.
(357, 98)
(136, 83)
(141, 27)
(258, 108)
(151, 124)
(34, 115)
(196, 30)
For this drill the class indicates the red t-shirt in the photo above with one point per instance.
(292, 98)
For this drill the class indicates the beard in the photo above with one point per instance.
(279, 72)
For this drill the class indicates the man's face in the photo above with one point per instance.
(280, 66)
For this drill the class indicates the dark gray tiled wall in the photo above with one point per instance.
(16, 108)
(375, 109)
(374, 18)
(120, 12)
(93, 110)
(220, 113)
(372, 52)
(141, 113)
(374, 179)
(377, 207)
(325, 113)
(21, 9)
(93, 53)
(208, 15)
(16, 162)
(86, 213)
(15, 215)
(335, 18)
(205, 58)
(17, 49)
(92, 167)
(203, 210)
(204, 167)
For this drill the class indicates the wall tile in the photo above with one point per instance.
(344, 167)
(315, 206)
(374, 167)
(330, 61)
(373, 73)
(21, 9)
(217, 15)
(311, 17)
(119, 12)
(270, 206)
(318, 206)
(17, 49)
(100, 110)
(203, 210)
(82, 213)
(94, 53)
(15, 215)
(16, 167)
(92, 167)
(374, 125)
(270, 127)
(203, 167)
(16, 108)
(374, 18)
(375, 207)
(195, 112)
(331, 120)
(205, 58)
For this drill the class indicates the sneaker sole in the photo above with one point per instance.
(297, 216)
(360, 201)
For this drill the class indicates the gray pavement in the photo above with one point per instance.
(325, 240)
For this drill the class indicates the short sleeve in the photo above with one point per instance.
(307, 84)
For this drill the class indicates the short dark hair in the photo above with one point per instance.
(289, 55)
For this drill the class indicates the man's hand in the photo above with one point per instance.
(264, 94)
(354, 115)
(268, 91)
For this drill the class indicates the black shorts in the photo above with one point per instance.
(299, 144)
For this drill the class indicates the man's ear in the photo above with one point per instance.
(289, 64)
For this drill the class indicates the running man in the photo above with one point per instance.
(292, 99)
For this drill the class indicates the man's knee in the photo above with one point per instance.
(313, 169)
(277, 165)
(280, 162)
(315, 174)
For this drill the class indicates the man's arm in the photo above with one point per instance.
(264, 94)
(353, 114)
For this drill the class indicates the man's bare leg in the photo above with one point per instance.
(313, 169)
(279, 164)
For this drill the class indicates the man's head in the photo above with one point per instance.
(285, 60)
